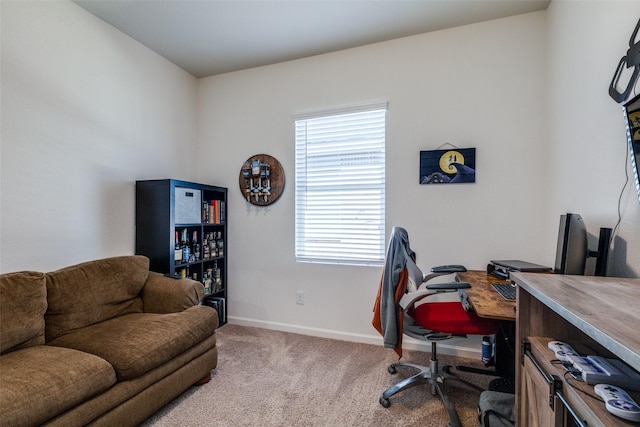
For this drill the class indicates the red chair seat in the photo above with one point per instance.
(451, 318)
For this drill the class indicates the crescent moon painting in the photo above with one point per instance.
(452, 166)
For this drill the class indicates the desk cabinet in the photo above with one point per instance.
(595, 315)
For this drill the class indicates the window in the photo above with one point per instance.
(340, 184)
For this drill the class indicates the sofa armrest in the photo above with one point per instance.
(162, 294)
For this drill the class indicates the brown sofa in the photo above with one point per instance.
(102, 343)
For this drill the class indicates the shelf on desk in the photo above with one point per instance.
(579, 394)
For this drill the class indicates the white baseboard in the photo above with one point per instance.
(407, 343)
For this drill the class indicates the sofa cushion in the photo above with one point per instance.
(41, 382)
(137, 343)
(94, 291)
(140, 396)
(164, 295)
(23, 302)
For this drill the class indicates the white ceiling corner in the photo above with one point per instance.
(208, 37)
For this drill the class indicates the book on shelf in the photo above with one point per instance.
(214, 211)
(219, 304)
(222, 309)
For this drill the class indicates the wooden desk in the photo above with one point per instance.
(488, 303)
(600, 314)
(485, 300)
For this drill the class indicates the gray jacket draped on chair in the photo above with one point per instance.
(388, 318)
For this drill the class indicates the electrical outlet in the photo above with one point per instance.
(300, 297)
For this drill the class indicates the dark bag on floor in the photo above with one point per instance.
(496, 409)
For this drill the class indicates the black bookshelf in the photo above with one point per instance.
(165, 207)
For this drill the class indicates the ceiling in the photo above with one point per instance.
(208, 37)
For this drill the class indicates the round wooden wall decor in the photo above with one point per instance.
(261, 179)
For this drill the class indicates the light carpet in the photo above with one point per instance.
(272, 378)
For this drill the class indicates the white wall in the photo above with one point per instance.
(477, 86)
(587, 141)
(86, 111)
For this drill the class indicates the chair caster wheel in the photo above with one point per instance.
(391, 369)
(385, 402)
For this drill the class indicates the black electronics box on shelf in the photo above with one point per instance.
(502, 268)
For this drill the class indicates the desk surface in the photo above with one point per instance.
(485, 300)
(604, 308)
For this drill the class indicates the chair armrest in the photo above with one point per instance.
(443, 270)
(162, 294)
(453, 286)
(409, 299)
(456, 268)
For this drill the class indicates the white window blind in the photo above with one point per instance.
(340, 187)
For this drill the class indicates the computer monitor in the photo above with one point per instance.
(572, 249)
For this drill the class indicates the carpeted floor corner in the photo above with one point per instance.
(271, 378)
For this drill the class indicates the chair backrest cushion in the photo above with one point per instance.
(94, 291)
(23, 302)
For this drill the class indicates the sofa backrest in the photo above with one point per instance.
(23, 302)
(94, 291)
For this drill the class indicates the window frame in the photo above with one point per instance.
(351, 143)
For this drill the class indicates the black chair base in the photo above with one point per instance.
(433, 376)
(470, 369)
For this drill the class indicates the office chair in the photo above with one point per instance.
(404, 306)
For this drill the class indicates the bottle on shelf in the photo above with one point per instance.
(217, 278)
(207, 281)
(177, 253)
(220, 245)
(206, 252)
(186, 252)
(213, 249)
(195, 247)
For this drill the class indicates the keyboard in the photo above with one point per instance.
(506, 290)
